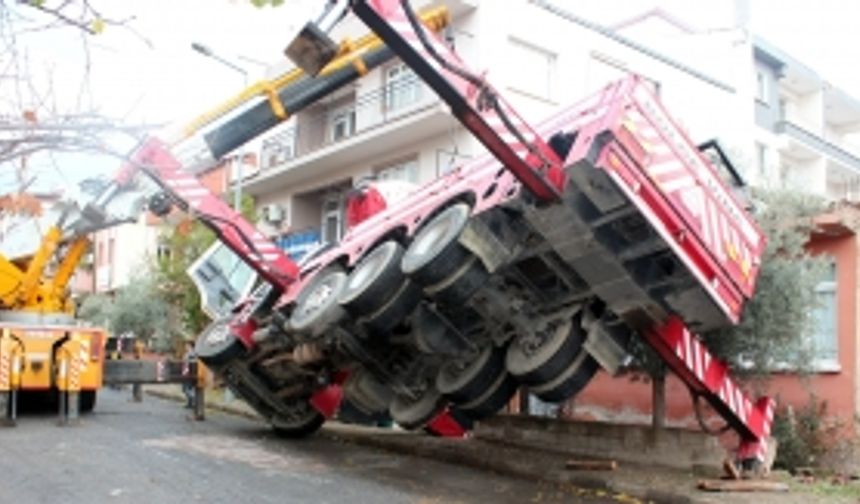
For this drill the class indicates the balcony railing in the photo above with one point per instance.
(315, 129)
(818, 143)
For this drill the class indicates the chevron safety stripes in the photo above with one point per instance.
(704, 374)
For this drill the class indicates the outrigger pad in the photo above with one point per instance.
(311, 50)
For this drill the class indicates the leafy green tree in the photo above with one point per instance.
(136, 308)
(185, 243)
(777, 321)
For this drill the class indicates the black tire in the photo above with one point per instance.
(317, 307)
(401, 304)
(414, 414)
(570, 382)
(217, 345)
(493, 399)
(533, 366)
(435, 253)
(366, 393)
(462, 385)
(374, 279)
(459, 287)
(303, 423)
(87, 400)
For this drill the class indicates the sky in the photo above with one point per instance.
(150, 74)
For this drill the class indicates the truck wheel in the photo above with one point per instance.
(537, 359)
(459, 287)
(366, 392)
(435, 253)
(494, 398)
(414, 413)
(217, 346)
(317, 308)
(374, 280)
(396, 310)
(302, 421)
(88, 400)
(570, 382)
(464, 383)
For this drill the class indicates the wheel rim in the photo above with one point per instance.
(433, 237)
(370, 267)
(317, 305)
(425, 242)
(412, 414)
(454, 376)
(317, 298)
(218, 335)
(526, 349)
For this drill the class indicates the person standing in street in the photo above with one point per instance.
(188, 385)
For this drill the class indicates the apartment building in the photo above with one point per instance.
(808, 130)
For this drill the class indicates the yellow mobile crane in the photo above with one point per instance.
(43, 348)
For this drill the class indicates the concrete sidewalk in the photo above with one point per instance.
(629, 482)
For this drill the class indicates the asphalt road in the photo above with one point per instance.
(150, 453)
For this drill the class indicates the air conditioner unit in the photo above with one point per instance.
(273, 213)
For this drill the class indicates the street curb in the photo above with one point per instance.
(224, 408)
(473, 453)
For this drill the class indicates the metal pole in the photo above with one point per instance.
(209, 53)
(237, 202)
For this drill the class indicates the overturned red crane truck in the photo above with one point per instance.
(534, 265)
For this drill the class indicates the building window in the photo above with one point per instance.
(532, 69)
(761, 160)
(406, 171)
(332, 219)
(402, 87)
(825, 338)
(341, 123)
(279, 149)
(110, 255)
(761, 87)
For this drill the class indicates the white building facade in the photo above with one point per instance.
(782, 123)
(123, 253)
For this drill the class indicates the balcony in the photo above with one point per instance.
(328, 138)
(800, 143)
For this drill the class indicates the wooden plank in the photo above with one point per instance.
(591, 465)
(742, 486)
